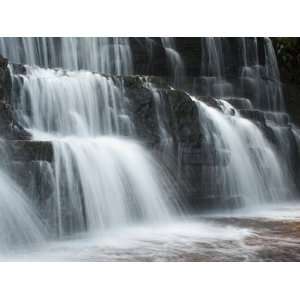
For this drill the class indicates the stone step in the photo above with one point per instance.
(21, 150)
(128, 81)
(239, 102)
(279, 118)
(276, 118)
(204, 155)
(255, 115)
(197, 201)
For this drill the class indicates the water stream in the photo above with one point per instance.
(112, 197)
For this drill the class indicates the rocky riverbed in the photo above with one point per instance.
(270, 234)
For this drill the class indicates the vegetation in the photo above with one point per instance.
(288, 55)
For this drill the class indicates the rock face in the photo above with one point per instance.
(30, 150)
(288, 57)
(179, 118)
(199, 164)
(9, 128)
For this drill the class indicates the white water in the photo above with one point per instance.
(115, 181)
(175, 61)
(105, 55)
(254, 173)
(101, 180)
(212, 57)
(263, 81)
(151, 242)
(106, 183)
(66, 103)
(19, 225)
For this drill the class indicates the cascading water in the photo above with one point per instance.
(251, 60)
(105, 55)
(66, 103)
(213, 68)
(261, 82)
(101, 180)
(175, 61)
(19, 223)
(261, 178)
(212, 57)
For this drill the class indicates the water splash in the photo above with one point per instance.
(101, 180)
(109, 182)
(19, 224)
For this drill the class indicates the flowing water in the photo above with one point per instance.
(175, 61)
(112, 198)
(19, 225)
(261, 178)
(270, 234)
(71, 103)
(105, 55)
(110, 182)
(102, 180)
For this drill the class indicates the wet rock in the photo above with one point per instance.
(198, 202)
(184, 118)
(239, 102)
(143, 111)
(210, 101)
(254, 115)
(9, 127)
(35, 178)
(278, 118)
(138, 81)
(30, 150)
(18, 69)
(203, 155)
(149, 56)
(180, 115)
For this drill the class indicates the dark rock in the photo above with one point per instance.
(138, 81)
(184, 117)
(210, 101)
(203, 155)
(35, 178)
(180, 117)
(292, 95)
(254, 115)
(142, 108)
(18, 69)
(9, 127)
(239, 102)
(197, 202)
(30, 150)
(278, 118)
(149, 56)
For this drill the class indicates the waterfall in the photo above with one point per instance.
(105, 55)
(252, 60)
(212, 68)
(212, 58)
(19, 223)
(68, 102)
(232, 135)
(101, 180)
(254, 174)
(262, 81)
(107, 182)
(175, 61)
